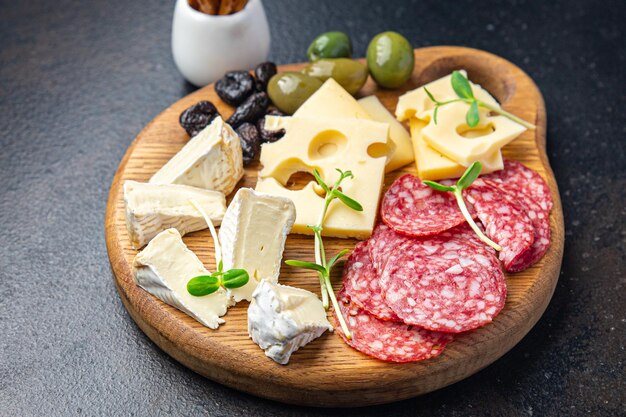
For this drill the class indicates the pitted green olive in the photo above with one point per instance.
(330, 45)
(390, 59)
(351, 75)
(288, 90)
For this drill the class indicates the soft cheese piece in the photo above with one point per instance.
(431, 165)
(282, 319)
(332, 101)
(446, 136)
(416, 103)
(400, 144)
(211, 160)
(253, 235)
(163, 269)
(327, 144)
(152, 208)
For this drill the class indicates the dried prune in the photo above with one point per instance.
(234, 87)
(263, 73)
(250, 142)
(250, 111)
(269, 136)
(198, 116)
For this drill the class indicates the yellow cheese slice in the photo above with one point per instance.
(401, 151)
(447, 135)
(431, 165)
(416, 103)
(326, 144)
(332, 101)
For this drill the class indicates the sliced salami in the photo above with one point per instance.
(362, 284)
(414, 209)
(381, 243)
(386, 340)
(504, 220)
(444, 283)
(524, 183)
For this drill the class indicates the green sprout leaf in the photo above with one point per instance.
(320, 181)
(473, 116)
(235, 278)
(437, 186)
(461, 86)
(336, 258)
(469, 176)
(306, 265)
(430, 96)
(203, 285)
(353, 204)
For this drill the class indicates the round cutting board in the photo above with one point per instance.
(327, 372)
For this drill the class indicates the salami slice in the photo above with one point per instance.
(444, 283)
(541, 225)
(362, 284)
(524, 183)
(414, 209)
(386, 340)
(381, 243)
(504, 220)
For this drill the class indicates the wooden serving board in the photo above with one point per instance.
(327, 372)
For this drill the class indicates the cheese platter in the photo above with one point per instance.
(275, 198)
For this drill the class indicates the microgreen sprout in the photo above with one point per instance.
(464, 182)
(321, 265)
(463, 90)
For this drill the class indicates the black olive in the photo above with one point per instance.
(250, 111)
(234, 87)
(198, 116)
(269, 136)
(250, 142)
(263, 73)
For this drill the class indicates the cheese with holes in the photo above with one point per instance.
(332, 101)
(326, 144)
(211, 160)
(489, 136)
(253, 235)
(152, 208)
(163, 269)
(282, 319)
(431, 165)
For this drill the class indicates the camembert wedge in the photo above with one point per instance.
(152, 208)
(211, 160)
(282, 319)
(163, 269)
(253, 235)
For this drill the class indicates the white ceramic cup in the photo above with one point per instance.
(206, 46)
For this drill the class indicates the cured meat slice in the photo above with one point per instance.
(381, 243)
(524, 183)
(386, 340)
(541, 225)
(414, 209)
(504, 220)
(444, 283)
(362, 284)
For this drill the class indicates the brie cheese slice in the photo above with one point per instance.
(152, 208)
(211, 160)
(163, 269)
(253, 234)
(282, 319)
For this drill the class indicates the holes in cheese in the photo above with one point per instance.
(476, 132)
(327, 144)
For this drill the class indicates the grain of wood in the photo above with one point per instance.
(327, 372)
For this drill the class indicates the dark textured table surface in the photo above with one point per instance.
(78, 80)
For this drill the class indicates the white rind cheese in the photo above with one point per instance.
(211, 160)
(163, 269)
(152, 208)
(282, 319)
(253, 235)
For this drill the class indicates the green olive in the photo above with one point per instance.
(288, 90)
(330, 45)
(351, 75)
(390, 59)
